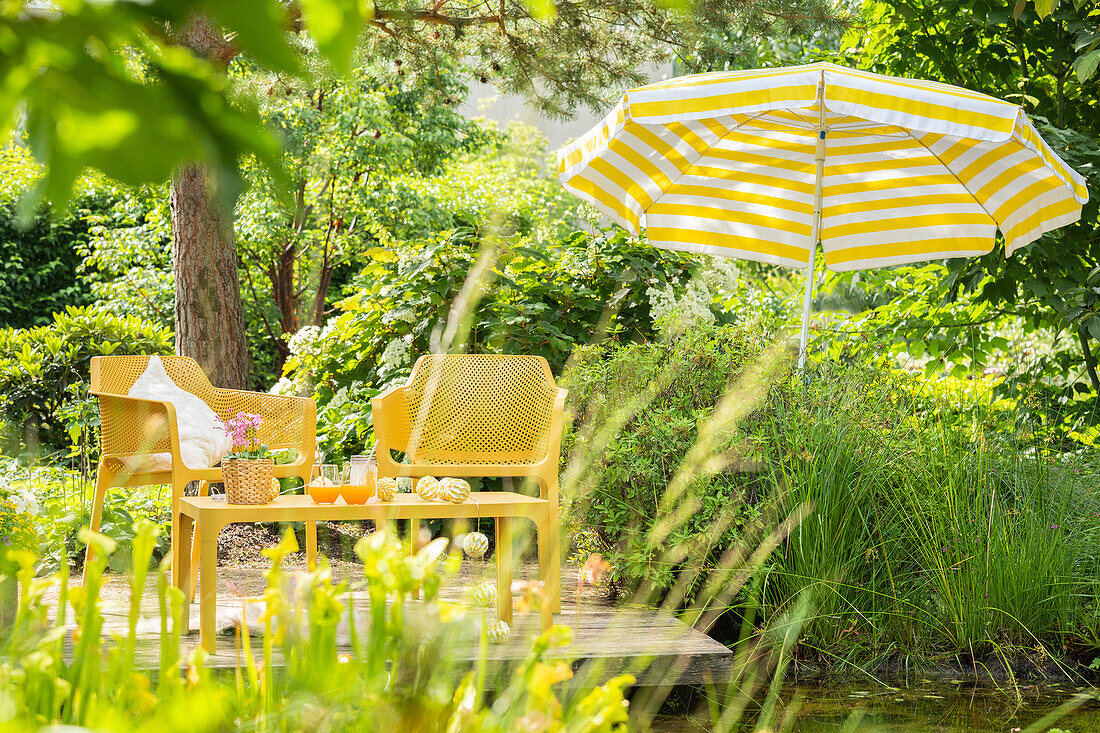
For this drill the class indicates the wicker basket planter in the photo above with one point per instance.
(248, 480)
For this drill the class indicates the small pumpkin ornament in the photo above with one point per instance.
(475, 545)
(273, 492)
(428, 488)
(498, 631)
(385, 488)
(485, 594)
(454, 490)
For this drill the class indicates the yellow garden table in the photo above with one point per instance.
(209, 516)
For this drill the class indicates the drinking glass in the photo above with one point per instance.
(363, 472)
(331, 473)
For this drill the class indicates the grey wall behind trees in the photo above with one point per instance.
(485, 100)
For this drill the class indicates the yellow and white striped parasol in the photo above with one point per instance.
(763, 164)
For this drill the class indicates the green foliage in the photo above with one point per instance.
(509, 187)
(1086, 41)
(105, 85)
(127, 260)
(17, 528)
(938, 521)
(970, 314)
(934, 527)
(38, 268)
(1031, 60)
(622, 495)
(40, 258)
(532, 297)
(109, 85)
(59, 502)
(394, 675)
(355, 148)
(40, 366)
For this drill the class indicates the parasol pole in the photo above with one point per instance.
(815, 228)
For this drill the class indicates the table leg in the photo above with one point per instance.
(181, 562)
(504, 568)
(549, 571)
(208, 586)
(311, 545)
(193, 543)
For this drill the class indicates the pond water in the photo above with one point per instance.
(929, 707)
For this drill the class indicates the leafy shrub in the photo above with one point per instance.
(926, 531)
(17, 534)
(537, 298)
(62, 503)
(127, 260)
(617, 496)
(45, 369)
(19, 508)
(510, 187)
(40, 252)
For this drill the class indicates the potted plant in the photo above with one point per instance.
(250, 469)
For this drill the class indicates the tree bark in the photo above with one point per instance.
(209, 315)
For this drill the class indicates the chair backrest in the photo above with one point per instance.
(127, 427)
(133, 428)
(117, 374)
(476, 409)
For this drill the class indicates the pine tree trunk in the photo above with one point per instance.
(209, 315)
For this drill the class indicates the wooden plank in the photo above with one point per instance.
(651, 645)
(654, 646)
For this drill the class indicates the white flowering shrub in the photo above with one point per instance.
(675, 312)
(22, 498)
(723, 291)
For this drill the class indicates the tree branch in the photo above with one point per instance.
(259, 306)
(382, 15)
(1090, 362)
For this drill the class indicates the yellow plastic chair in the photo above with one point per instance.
(480, 415)
(137, 427)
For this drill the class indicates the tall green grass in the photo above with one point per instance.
(820, 450)
(931, 532)
(394, 674)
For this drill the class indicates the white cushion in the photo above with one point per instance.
(203, 440)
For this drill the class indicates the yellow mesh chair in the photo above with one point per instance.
(131, 426)
(480, 415)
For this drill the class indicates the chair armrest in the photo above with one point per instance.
(288, 422)
(135, 426)
(557, 420)
(391, 429)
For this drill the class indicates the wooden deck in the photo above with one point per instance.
(607, 641)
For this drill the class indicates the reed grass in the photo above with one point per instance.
(931, 532)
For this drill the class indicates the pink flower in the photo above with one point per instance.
(242, 429)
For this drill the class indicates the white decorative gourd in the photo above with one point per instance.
(475, 545)
(498, 631)
(485, 594)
